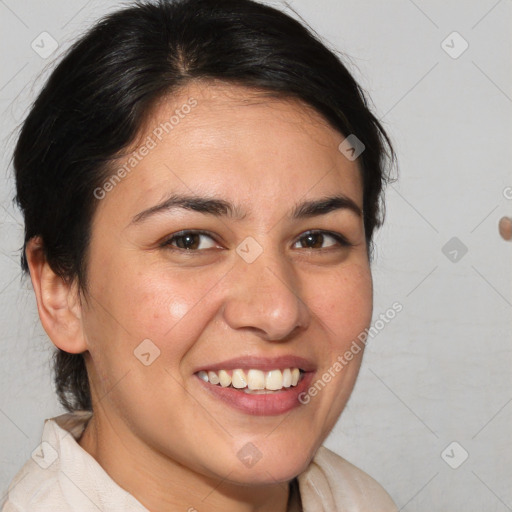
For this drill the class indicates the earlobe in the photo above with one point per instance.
(58, 302)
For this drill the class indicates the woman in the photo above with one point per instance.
(200, 182)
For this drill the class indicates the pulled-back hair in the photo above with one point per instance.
(93, 106)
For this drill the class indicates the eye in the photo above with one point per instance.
(315, 240)
(188, 241)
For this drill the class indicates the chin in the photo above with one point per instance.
(269, 465)
(267, 474)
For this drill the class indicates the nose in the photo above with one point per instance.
(265, 296)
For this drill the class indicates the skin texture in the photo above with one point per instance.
(155, 431)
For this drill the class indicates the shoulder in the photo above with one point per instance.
(61, 476)
(333, 482)
(37, 483)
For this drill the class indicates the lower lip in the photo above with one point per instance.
(271, 404)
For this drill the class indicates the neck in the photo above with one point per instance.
(162, 484)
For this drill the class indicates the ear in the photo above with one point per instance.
(58, 302)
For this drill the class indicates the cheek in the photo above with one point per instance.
(169, 308)
(164, 308)
(344, 302)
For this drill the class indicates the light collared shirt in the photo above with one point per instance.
(62, 477)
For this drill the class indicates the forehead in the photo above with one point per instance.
(233, 142)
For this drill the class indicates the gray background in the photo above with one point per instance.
(441, 371)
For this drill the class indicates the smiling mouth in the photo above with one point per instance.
(254, 381)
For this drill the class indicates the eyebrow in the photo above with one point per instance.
(222, 208)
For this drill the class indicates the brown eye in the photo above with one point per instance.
(317, 239)
(188, 241)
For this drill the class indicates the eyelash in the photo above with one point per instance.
(340, 239)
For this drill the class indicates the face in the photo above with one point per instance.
(260, 285)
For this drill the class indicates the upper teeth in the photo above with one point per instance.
(253, 379)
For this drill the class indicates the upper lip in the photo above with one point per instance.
(260, 363)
